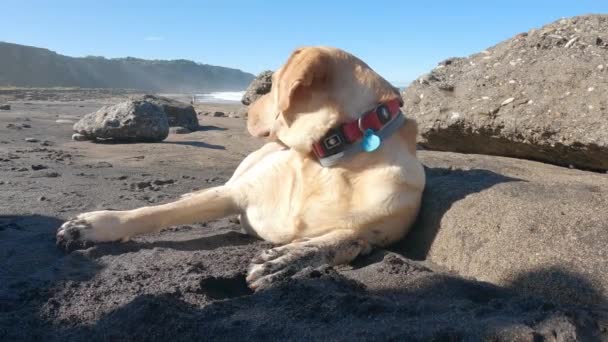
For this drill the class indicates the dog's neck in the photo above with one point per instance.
(365, 134)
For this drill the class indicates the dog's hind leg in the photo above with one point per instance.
(104, 226)
(334, 248)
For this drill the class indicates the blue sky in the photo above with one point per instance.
(400, 39)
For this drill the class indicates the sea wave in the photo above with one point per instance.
(220, 96)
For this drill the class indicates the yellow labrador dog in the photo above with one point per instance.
(339, 176)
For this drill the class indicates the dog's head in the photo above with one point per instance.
(314, 91)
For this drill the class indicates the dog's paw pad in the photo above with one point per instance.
(69, 236)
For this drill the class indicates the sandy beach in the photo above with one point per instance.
(188, 282)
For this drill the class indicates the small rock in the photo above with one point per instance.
(243, 112)
(219, 114)
(600, 67)
(570, 42)
(163, 181)
(5, 107)
(507, 101)
(37, 167)
(455, 116)
(102, 165)
(79, 137)
(50, 174)
(64, 121)
(32, 140)
(42, 198)
(590, 89)
(445, 86)
(140, 185)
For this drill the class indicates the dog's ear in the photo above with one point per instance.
(305, 68)
(398, 93)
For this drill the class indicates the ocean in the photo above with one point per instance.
(220, 96)
(227, 96)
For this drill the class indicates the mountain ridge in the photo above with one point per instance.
(29, 66)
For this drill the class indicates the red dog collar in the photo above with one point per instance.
(340, 138)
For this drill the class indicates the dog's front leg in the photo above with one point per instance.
(334, 248)
(105, 226)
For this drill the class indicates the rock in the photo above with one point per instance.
(31, 140)
(219, 114)
(140, 185)
(99, 165)
(507, 101)
(163, 181)
(130, 121)
(79, 137)
(539, 96)
(18, 126)
(37, 167)
(259, 86)
(515, 223)
(5, 107)
(45, 174)
(64, 121)
(179, 114)
(179, 130)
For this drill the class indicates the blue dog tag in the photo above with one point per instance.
(370, 141)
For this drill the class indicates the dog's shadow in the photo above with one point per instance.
(203, 243)
(444, 187)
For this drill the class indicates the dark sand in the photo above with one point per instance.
(188, 282)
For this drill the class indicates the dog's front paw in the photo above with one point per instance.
(89, 228)
(277, 264)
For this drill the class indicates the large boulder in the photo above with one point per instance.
(540, 95)
(259, 86)
(135, 120)
(537, 228)
(179, 114)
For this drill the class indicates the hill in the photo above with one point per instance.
(26, 66)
